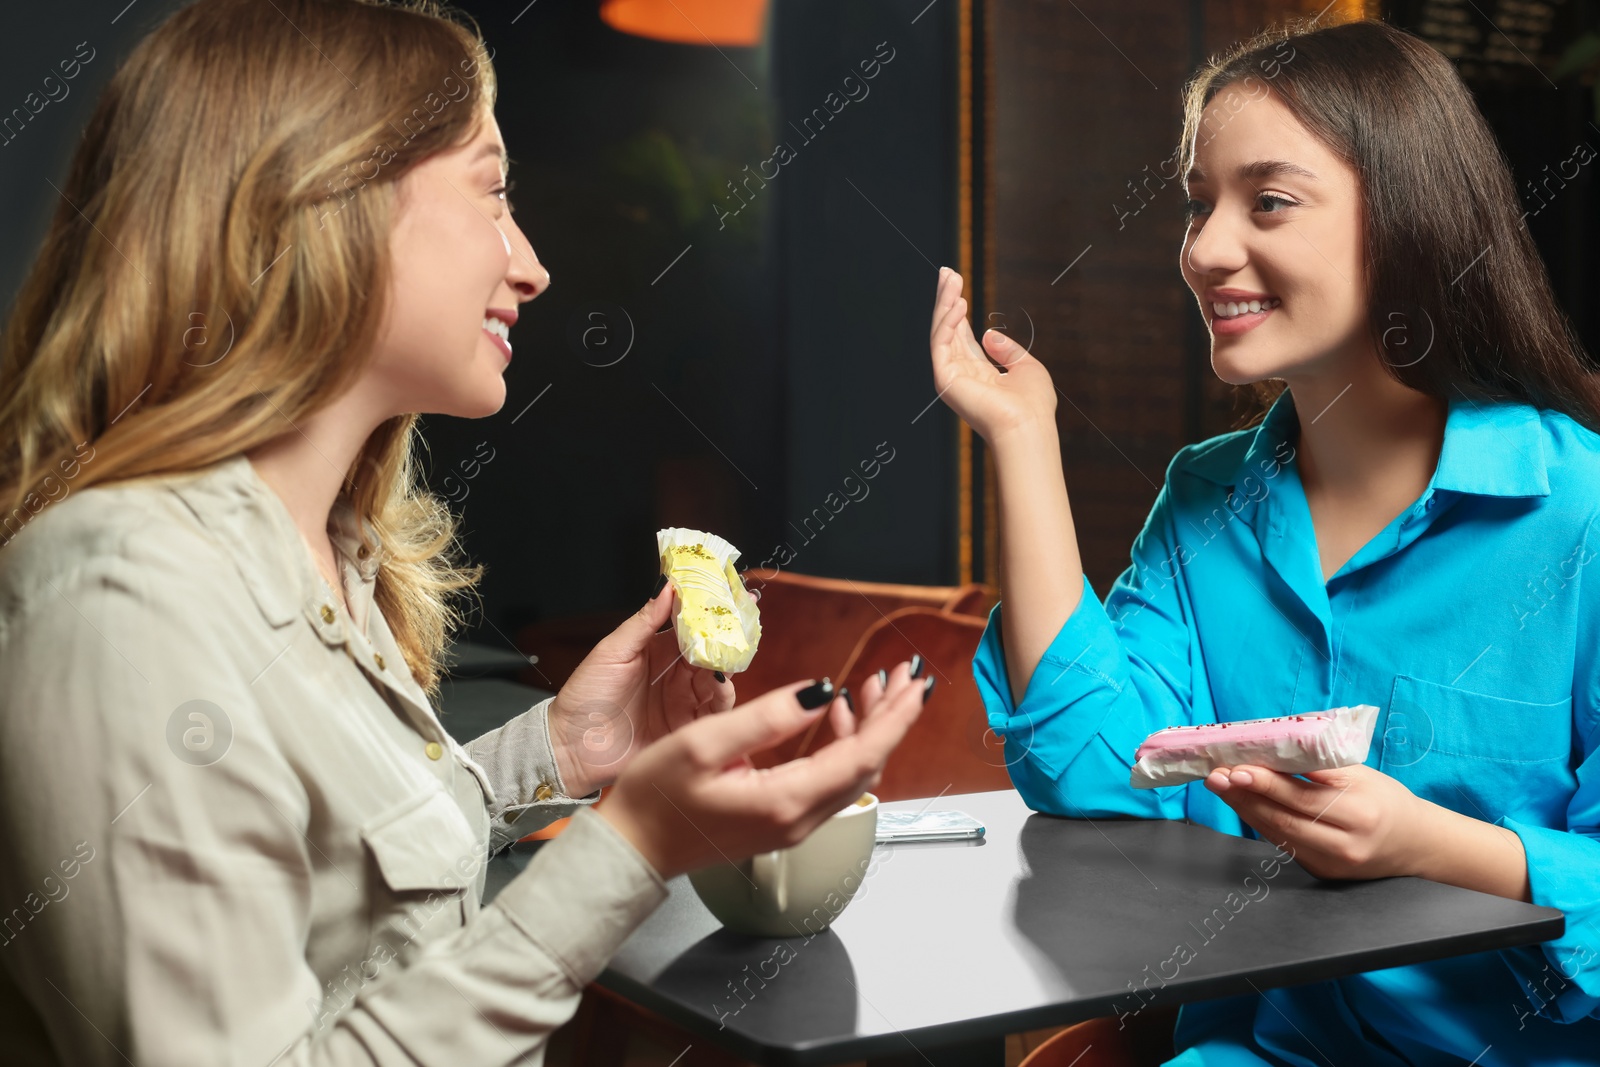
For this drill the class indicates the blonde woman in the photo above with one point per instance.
(232, 829)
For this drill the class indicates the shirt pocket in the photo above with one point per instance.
(1484, 756)
(425, 860)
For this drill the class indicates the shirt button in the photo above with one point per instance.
(377, 657)
(434, 750)
(543, 792)
(327, 613)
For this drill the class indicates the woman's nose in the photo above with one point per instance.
(1217, 247)
(525, 274)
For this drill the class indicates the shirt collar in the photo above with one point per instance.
(1273, 440)
(1491, 448)
(345, 530)
(230, 498)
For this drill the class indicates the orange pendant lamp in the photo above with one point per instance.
(716, 22)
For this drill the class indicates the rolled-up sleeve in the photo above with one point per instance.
(180, 935)
(519, 757)
(1113, 674)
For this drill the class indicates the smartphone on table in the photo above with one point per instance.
(894, 826)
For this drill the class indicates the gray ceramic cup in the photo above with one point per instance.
(796, 891)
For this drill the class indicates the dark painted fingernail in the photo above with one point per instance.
(849, 701)
(927, 687)
(719, 676)
(883, 679)
(916, 666)
(661, 584)
(815, 695)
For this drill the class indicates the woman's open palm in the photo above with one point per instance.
(969, 377)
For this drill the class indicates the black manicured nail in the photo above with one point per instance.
(916, 666)
(849, 702)
(661, 583)
(815, 695)
(927, 687)
(664, 626)
(883, 679)
(719, 676)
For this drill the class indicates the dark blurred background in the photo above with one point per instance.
(723, 351)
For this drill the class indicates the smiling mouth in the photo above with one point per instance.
(1232, 309)
(499, 332)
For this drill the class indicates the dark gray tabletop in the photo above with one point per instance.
(1047, 921)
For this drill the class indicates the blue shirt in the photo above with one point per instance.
(1471, 622)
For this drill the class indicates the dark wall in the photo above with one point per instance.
(867, 215)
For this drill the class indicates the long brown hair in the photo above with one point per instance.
(1451, 269)
(217, 264)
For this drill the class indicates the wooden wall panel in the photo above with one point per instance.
(1086, 231)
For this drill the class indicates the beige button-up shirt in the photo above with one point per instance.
(233, 832)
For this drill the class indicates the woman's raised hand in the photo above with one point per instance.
(996, 404)
(1041, 576)
(693, 798)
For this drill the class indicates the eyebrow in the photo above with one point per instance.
(1259, 169)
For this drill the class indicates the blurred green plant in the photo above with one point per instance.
(668, 184)
(1581, 60)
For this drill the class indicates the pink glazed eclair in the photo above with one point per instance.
(1294, 744)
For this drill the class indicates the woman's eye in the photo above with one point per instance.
(1194, 209)
(501, 192)
(1271, 204)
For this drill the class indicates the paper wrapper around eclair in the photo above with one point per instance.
(718, 624)
(1293, 744)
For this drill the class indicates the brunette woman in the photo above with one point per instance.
(1408, 526)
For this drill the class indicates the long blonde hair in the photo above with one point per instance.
(218, 263)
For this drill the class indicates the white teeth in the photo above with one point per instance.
(497, 327)
(1232, 308)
